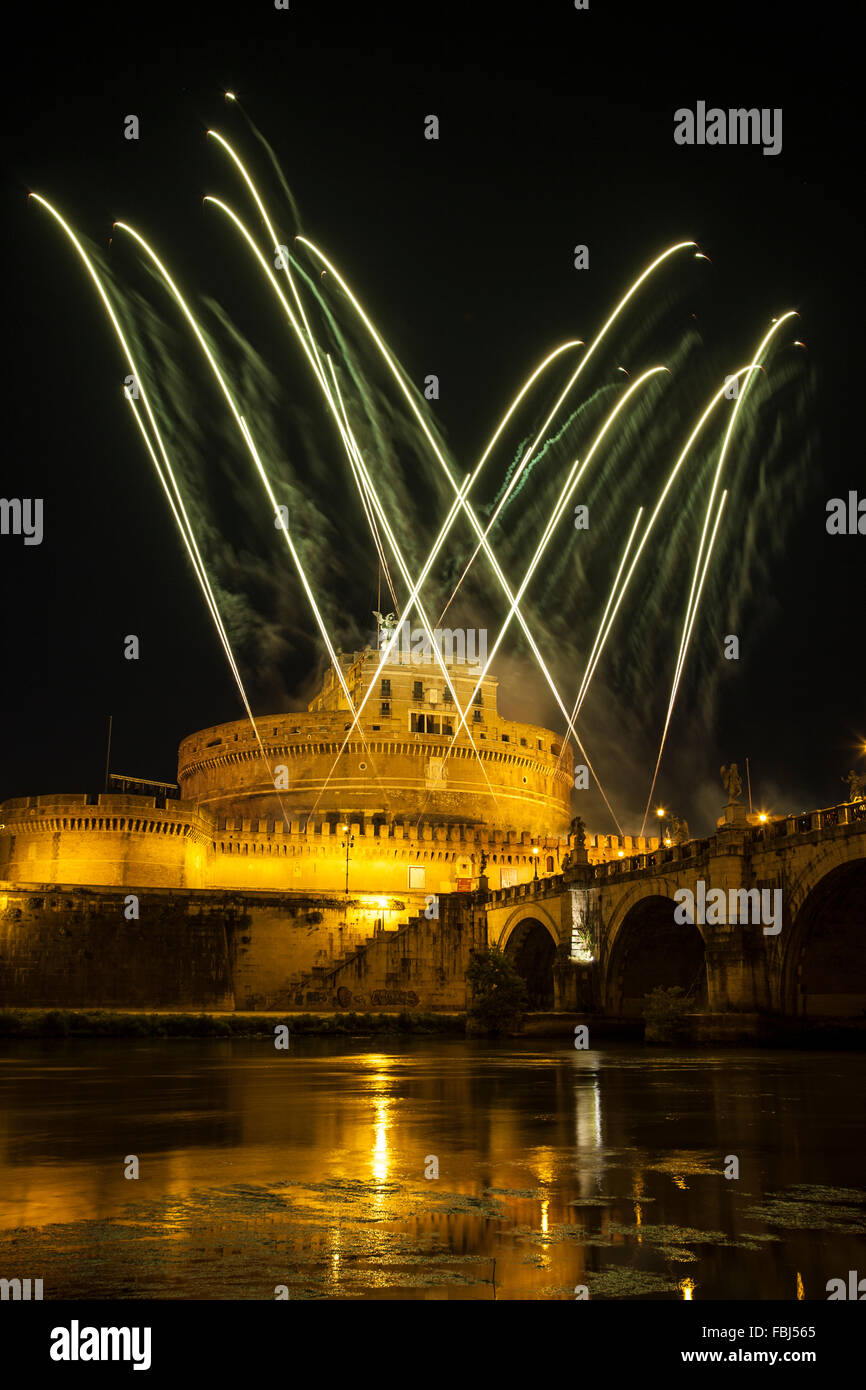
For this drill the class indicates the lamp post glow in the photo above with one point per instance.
(347, 845)
(535, 853)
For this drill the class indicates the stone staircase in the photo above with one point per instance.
(420, 965)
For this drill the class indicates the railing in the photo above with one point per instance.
(829, 818)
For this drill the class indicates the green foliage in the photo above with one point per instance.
(499, 995)
(665, 1013)
(107, 1023)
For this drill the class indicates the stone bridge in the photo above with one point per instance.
(597, 938)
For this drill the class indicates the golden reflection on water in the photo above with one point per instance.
(312, 1173)
(380, 1145)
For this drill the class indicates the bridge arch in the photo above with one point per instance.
(530, 944)
(648, 949)
(824, 966)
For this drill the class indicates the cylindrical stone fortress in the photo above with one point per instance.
(405, 766)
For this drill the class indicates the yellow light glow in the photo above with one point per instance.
(535, 849)
(380, 1162)
(687, 1286)
(801, 1292)
(660, 810)
(762, 816)
(621, 854)
(668, 843)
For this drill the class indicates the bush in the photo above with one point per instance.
(55, 1024)
(499, 996)
(665, 1013)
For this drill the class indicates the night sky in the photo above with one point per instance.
(556, 129)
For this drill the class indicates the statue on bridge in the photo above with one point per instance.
(577, 854)
(731, 781)
(679, 831)
(578, 832)
(856, 786)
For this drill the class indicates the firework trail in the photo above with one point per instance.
(164, 471)
(379, 441)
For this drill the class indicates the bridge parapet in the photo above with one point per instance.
(845, 813)
(693, 851)
(548, 887)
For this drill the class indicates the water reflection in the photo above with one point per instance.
(311, 1170)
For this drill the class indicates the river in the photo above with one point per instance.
(314, 1170)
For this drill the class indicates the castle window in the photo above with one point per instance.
(555, 749)
(447, 697)
(417, 690)
(550, 863)
(386, 690)
(540, 744)
(385, 708)
(476, 716)
(523, 743)
(447, 728)
(479, 698)
(506, 738)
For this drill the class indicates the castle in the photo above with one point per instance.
(352, 827)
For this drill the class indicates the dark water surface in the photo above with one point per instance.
(307, 1169)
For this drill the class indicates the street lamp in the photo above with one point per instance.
(347, 845)
(535, 853)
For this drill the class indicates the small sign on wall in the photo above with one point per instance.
(464, 885)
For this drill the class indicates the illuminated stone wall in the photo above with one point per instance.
(129, 840)
(73, 948)
(107, 840)
(76, 948)
(521, 777)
